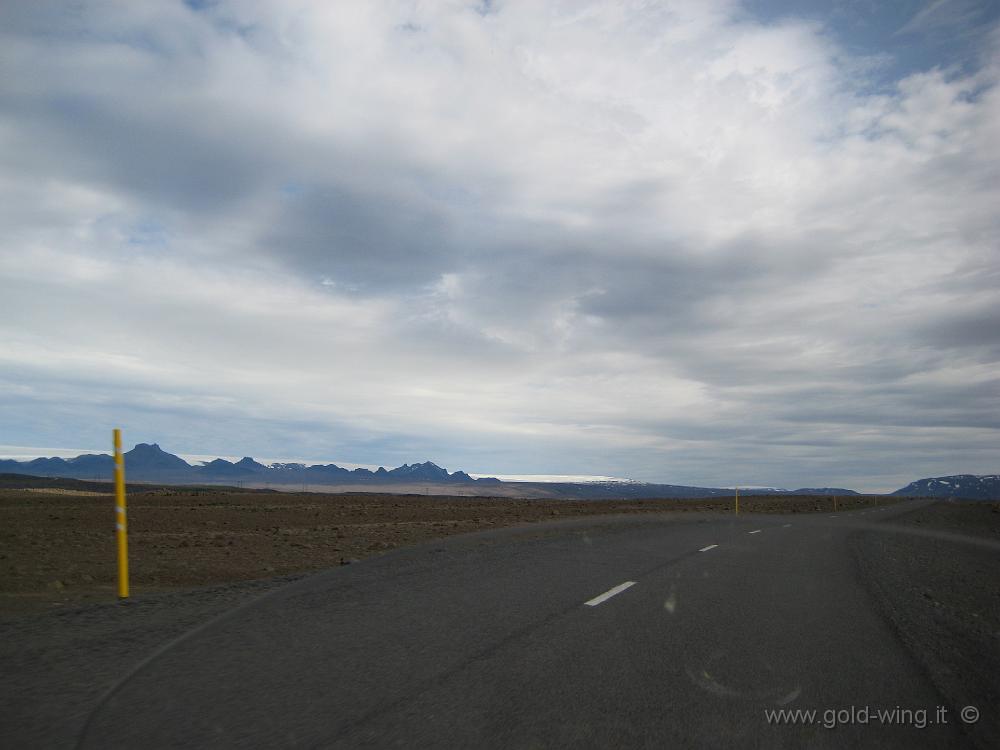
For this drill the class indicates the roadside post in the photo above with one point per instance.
(737, 501)
(121, 522)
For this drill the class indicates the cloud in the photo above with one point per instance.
(676, 243)
(944, 15)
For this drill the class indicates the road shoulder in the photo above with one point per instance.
(935, 574)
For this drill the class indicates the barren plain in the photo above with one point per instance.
(57, 543)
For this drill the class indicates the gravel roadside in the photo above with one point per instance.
(935, 574)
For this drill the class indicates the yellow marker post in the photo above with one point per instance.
(121, 523)
(737, 500)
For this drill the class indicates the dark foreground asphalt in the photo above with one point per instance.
(486, 640)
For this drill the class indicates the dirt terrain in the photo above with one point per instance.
(57, 543)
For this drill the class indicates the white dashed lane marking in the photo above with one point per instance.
(600, 599)
(609, 593)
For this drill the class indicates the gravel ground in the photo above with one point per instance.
(935, 573)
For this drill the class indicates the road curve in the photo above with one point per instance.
(631, 632)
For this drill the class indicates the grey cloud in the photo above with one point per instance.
(963, 329)
(165, 158)
(363, 238)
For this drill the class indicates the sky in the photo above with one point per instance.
(704, 242)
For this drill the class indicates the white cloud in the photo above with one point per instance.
(671, 243)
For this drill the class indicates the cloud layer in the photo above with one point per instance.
(678, 242)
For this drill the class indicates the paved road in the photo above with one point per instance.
(531, 638)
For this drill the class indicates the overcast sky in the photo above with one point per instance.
(700, 242)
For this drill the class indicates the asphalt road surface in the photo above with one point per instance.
(635, 632)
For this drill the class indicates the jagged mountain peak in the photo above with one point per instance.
(152, 456)
(248, 463)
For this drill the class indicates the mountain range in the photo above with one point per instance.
(966, 486)
(150, 463)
